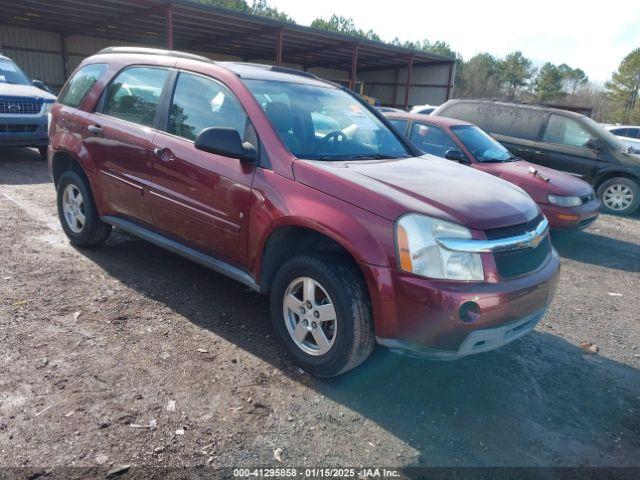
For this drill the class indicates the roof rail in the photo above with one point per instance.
(293, 71)
(155, 51)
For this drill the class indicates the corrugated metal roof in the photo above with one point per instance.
(206, 28)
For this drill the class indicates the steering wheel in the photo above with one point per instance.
(335, 137)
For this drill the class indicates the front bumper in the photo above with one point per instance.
(23, 131)
(572, 217)
(478, 341)
(447, 319)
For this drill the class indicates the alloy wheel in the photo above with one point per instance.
(73, 208)
(618, 197)
(310, 316)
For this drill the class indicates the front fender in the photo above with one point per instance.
(281, 202)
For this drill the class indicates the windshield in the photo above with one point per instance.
(324, 123)
(481, 145)
(10, 73)
(609, 138)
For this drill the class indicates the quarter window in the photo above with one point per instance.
(431, 139)
(566, 131)
(200, 102)
(80, 84)
(400, 124)
(134, 95)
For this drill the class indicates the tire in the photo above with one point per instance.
(43, 152)
(84, 234)
(350, 335)
(619, 195)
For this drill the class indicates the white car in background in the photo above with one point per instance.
(423, 109)
(628, 134)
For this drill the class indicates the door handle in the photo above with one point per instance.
(522, 149)
(541, 153)
(95, 130)
(164, 154)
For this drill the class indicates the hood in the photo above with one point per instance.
(427, 185)
(519, 173)
(10, 90)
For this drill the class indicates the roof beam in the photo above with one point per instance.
(120, 19)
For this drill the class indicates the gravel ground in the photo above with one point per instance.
(127, 354)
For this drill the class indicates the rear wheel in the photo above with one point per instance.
(321, 313)
(619, 195)
(78, 215)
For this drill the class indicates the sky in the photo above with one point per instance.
(583, 34)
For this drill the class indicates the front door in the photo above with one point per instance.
(200, 198)
(119, 137)
(564, 147)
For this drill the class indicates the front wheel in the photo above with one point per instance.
(619, 195)
(321, 313)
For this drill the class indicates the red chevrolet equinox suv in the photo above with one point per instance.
(297, 188)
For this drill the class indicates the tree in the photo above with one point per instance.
(479, 77)
(624, 87)
(516, 71)
(549, 83)
(574, 78)
(261, 7)
(338, 23)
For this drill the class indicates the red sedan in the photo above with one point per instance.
(567, 201)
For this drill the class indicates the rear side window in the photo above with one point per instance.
(621, 132)
(199, 103)
(566, 131)
(634, 133)
(80, 84)
(134, 94)
(431, 139)
(401, 125)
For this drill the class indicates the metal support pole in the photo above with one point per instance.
(354, 67)
(65, 56)
(279, 43)
(168, 13)
(452, 69)
(408, 83)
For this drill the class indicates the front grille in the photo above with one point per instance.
(17, 128)
(19, 106)
(514, 263)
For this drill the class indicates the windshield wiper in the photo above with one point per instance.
(374, 156)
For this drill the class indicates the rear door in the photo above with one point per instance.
(516, 127)
(200, 198)
(119, 136)
(564, 147)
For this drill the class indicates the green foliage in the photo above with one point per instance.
(479, 77)
(516, 72)
(258, 7)
(573, 78)
(338, 23)
(549, 83)
(624, 87)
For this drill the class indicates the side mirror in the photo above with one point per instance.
(225, 142)
(39, 84)
(456, 156)
(594, 144)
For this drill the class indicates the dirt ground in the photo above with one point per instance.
(127, 354)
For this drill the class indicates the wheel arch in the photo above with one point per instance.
(288, 240)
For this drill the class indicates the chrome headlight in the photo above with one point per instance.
(564, 201)
(420, 253)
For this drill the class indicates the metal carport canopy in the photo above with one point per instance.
(188, 25)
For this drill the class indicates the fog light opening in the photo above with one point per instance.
(469, 312)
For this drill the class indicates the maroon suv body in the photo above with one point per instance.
(299, 190)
